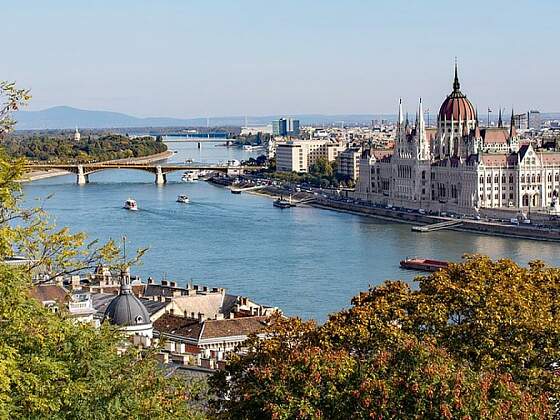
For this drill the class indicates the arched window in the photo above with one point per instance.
(139, 319)
(522, 178)
(511, 178)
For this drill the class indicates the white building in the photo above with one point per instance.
(299, 155)
(459, 166)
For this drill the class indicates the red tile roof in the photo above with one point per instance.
(495, 135)
(216, 328)
(48, 292)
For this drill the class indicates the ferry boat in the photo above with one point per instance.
(190, 176)
(283, 204)
(422, 264)
(183, 198)
(130, 204)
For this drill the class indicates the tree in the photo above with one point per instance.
(322, 167)
(51, 367)
(470, 342)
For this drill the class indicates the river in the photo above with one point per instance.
(307, 261)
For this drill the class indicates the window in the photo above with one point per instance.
(511, 178)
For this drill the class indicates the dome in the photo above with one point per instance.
(456, 106)
(126, 309)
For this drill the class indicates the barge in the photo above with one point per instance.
(421, 264)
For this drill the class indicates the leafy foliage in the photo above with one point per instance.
(471, 342)
(51, 367)
(88, 149)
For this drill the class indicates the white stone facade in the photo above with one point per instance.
(459, 166)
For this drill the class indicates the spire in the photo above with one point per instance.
(400, 112)
(512, 130)
(500, 123)
(456, 84)
(420, 115)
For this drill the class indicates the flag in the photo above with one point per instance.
(489, 110)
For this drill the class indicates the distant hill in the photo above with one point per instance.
(65, 117)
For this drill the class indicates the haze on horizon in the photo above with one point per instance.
(196, 58)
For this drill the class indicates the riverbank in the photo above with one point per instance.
(158, 157)
(466, 225)
(412, 218)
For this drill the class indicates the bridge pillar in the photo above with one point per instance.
(161, 178)
(82, 178)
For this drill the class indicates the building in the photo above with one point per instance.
(285, 127)
(128, 312)
(460, 166)
(348, 163)
(256, 129)
(77, 135)
(299, 155)
(534, 120)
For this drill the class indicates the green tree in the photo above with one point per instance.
(51, 367)
(322, 167)
(470, 342)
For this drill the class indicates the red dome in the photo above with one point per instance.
(456, 106)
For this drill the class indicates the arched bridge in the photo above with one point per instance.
(83, 171)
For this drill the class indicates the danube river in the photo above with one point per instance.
(307, 261)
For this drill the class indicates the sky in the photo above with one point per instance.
(186, 58)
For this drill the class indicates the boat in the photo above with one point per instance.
(235, 191)
(204, 174)
(283, 204)
(422, 264)
(183, 198)
(130, 204)
(190, 176)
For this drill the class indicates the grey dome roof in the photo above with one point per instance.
(126, 309)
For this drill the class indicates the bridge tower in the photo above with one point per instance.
(161, 178)
(81, 177)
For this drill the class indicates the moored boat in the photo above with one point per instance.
(190, 176)
(422, 264)
(130, 204)
(183, 198)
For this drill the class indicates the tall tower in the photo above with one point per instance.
(77, 135)
(423, 148)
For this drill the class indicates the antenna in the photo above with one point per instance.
(124, 248)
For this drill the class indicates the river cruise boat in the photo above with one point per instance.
(422, 264)
(130, 204)
(283, 204)
(190, 176)
(183, 198)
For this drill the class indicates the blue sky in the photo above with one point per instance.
(215, 58)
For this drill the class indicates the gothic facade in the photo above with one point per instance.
(459, 166)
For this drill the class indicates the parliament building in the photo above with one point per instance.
(459, 166)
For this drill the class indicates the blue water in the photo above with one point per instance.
(307, 261)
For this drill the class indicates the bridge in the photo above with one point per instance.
(83, 171)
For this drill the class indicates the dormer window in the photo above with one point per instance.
(139, 319)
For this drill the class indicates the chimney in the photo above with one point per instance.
(204, 288)
(195, 286)
(219, 316)
(231, 315)
(164, 282)
(200, 317)
(191, 292)
(173, 283)
(215, 290)
(150, 280)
